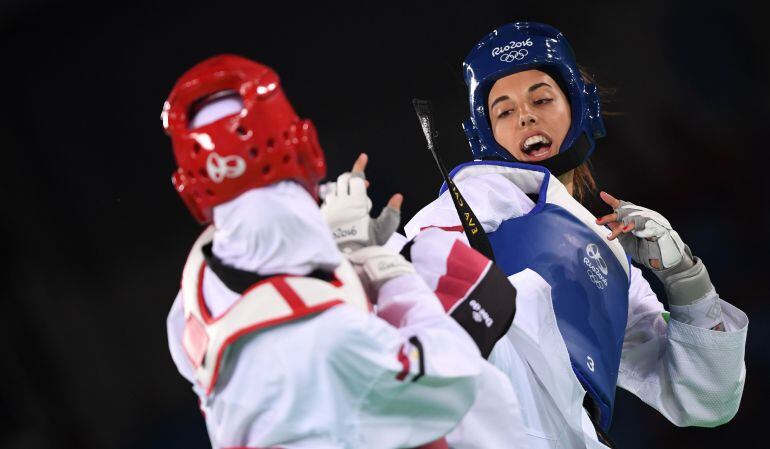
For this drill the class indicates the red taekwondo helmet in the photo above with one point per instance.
(261, 144)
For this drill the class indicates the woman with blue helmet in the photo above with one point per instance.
(586, 320)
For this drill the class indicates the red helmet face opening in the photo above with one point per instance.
(264, 143)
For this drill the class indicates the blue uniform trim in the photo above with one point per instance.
(543, 186)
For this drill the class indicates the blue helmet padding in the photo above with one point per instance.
(523, 46)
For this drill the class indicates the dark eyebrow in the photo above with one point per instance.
(498, 100)
(537, 86)
(532, 88)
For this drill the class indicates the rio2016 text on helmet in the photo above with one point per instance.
(524, 46)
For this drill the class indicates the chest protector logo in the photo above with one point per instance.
(597, 267)
(273, 301)
(588, 275)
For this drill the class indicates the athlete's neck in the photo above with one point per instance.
(274, 229)
(568, 179)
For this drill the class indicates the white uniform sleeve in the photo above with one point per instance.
(693, 376)
(428, 367)
(174, 328)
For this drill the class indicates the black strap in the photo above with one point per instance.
(476, 235)
(562, 162)
(568, 160)
(488, 311)
(421, 354)
(477, 238)
(240, 280)
(406, 251)
(594, 413)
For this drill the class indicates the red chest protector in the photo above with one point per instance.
(270, 302)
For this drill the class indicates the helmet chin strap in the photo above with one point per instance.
(569, 160)
(565, 160)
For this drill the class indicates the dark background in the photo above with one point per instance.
(96, 236)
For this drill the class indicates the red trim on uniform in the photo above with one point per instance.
(458, 228)
(404, 360)
(235, 335)
(336, 281)
(202, 301)
(288, 293)
(465, 267)
(438, 444)
(299, 309)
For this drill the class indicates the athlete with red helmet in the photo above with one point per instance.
(272, 325)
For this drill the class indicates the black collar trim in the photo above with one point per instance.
(239, 280)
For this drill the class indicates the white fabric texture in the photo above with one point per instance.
(494, 420)
(331, 380)
(692, 375)
(274, 229)
(270, 230)
(705, 312)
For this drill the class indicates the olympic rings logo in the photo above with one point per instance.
(596, 280)
(516, 55)
(219, 167)
(596, 266)
(593, 252)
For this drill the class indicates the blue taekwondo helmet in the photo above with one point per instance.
(523, 46)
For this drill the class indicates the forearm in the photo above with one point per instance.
(691, 296)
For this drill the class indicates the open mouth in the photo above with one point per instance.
(536, 146)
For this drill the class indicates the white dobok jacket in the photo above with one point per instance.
(693, 376)
(269, 375)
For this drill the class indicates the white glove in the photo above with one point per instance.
(376, 265)
(650, 241)
(346, 208)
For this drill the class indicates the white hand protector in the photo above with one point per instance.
(346, 209)
(654, 238)
(376, 265)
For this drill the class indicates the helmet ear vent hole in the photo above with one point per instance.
(196, 148)
(266, 169)
(253, 152)
(203, 173)
(286, 158)
(270, 144)
(243, 132)
(209, 192)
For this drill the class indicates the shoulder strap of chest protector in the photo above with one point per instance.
(272, 301)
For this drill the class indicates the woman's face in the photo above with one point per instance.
(529, 115)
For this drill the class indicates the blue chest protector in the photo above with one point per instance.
(589, 285)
